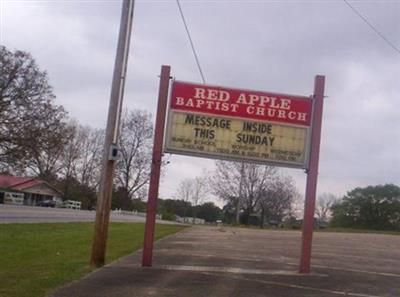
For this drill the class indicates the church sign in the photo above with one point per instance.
(242, 125)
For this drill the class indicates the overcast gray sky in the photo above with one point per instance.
(263, 45)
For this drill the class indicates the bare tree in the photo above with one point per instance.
(185, 192)
(32, 127)
(241, 184)
(277, 199)
(135, 142)
(73, 150)
(80, 162)
(200, 190)
(226, 180)
(297, 208)
(43, 154)
(193, 190)
(323, 205)
(87, 170)
(227, 183)
(78, 177)
(70, 156)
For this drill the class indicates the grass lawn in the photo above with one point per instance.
(358, 230)
(322, 230)
(38, 257)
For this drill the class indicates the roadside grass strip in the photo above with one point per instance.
(35, 258)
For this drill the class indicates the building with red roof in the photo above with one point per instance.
(32, 190)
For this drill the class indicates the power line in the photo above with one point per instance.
(191, 42)
(372, 27)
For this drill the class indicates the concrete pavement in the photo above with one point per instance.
(214, 261)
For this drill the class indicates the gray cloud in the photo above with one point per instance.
(264, 45)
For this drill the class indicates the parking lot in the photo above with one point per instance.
(220, 261)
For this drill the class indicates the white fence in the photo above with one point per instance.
(190, 220)
(72, 204)
(13, 198)
(134, 213)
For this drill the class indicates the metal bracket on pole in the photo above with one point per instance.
(113, 154)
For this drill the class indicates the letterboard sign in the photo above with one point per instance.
(242, 125)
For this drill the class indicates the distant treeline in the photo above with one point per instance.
(170, 208)
(372, 207)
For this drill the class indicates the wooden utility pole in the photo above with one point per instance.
(110, 151)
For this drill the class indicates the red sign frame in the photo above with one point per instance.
(314, 110)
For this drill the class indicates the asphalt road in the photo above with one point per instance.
(30, 214)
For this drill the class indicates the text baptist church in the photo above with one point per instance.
(251, 104)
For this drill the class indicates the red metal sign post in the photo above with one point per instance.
(156, 166)
(312, 176)
(190, 99)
